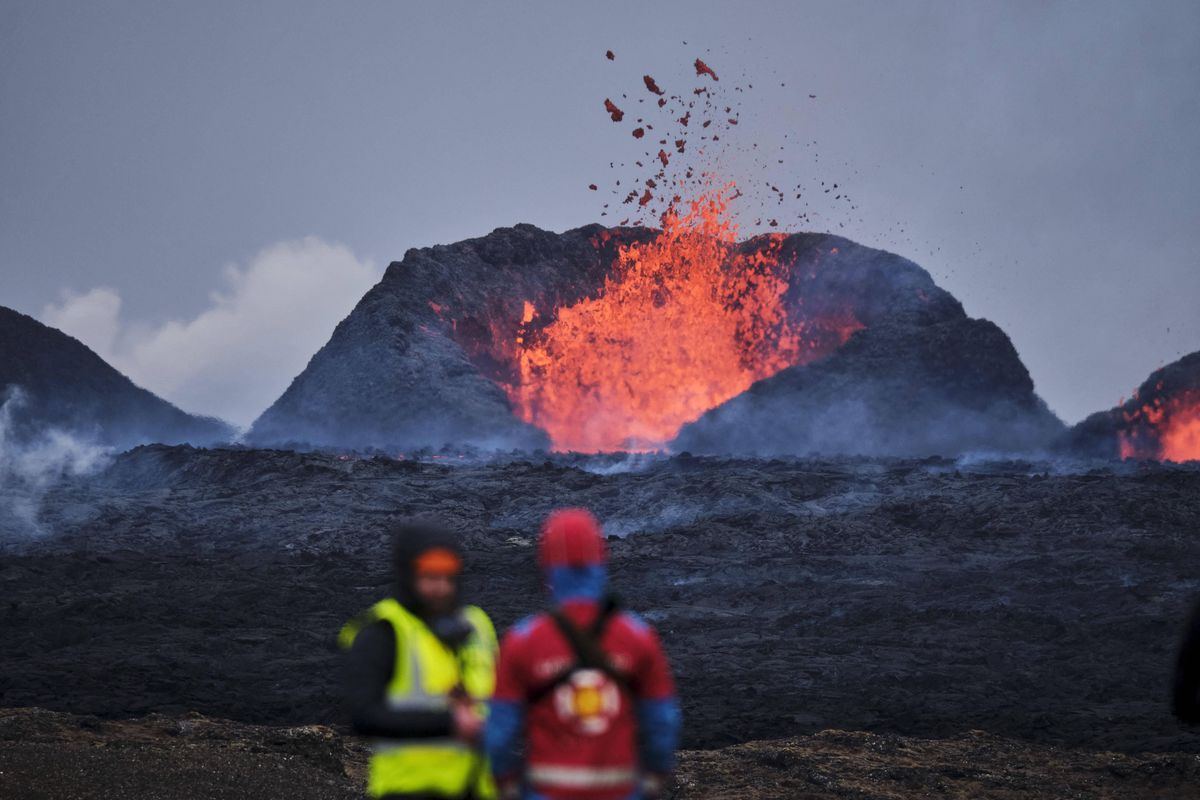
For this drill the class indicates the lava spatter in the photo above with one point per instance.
(683, 322)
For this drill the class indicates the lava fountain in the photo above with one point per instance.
(682, 323)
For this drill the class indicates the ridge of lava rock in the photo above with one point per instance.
(954, 386)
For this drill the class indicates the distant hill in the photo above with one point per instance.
(51, 380)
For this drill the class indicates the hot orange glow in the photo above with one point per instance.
(1164, 429)
(1181, 440)
(682, 323)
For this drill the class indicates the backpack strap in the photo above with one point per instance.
(585, 644)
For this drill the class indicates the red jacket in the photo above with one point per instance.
(589, 738)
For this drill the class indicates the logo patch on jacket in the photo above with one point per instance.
(589, 700)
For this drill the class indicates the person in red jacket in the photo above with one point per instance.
(585, 705)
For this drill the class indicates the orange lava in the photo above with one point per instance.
(682, 323)
(1164, 429)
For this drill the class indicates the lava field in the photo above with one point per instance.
(1035, 601)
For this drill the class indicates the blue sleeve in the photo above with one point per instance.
(659, 725)
(502, 737)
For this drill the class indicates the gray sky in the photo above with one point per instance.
(180, 179)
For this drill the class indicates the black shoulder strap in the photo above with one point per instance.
(586, 647)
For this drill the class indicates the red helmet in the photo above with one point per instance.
(571, 537)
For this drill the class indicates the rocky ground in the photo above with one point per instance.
(1037, 602)
(51, 755)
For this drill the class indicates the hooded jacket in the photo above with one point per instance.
(584, 737)
(373, 654)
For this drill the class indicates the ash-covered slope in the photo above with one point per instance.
(896, 388)
(51, 380)
(421, 359)
(1161, 420)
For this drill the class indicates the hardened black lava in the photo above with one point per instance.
(928, 597)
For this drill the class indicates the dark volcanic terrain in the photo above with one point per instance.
(911, 597)
(47, 755)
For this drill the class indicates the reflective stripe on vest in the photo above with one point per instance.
(566, 777)
(424, 673)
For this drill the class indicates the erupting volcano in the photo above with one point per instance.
(682, 323)
(1163, 429)
(608, 339)
(1160, 423)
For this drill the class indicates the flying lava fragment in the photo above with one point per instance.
(705, 69)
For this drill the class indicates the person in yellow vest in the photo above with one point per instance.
(421, 668)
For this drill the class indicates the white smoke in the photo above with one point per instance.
(238, 355)
(29, 467)
(618, 464)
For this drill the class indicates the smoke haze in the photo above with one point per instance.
(29, 467)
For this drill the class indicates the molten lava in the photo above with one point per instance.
(683, 323)
(1164, 429)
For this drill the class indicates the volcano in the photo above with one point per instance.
(52, 380)
(611, 339)
(1161, 422)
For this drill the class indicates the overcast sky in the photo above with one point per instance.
(200, 191)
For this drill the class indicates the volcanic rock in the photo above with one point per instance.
(894, 388)
(50, 754)
(422, 359)
(1131, 429)
(52, 380)
(913, 597)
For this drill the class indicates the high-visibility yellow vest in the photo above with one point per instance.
(425, 672)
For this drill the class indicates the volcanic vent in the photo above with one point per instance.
(1161, 422)
(594, 339)
(683, 321)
